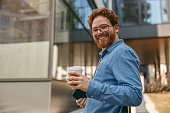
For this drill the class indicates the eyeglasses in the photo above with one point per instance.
(102, 28)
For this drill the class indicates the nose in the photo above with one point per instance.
(99, 31)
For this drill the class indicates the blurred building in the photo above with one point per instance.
(145, 24)
(40, 39)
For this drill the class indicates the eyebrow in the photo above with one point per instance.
(99, 26)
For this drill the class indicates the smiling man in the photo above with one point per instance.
(116, 82)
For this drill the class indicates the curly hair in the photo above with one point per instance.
(110, 14)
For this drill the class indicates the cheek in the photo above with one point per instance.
(111, 33)
(94, 37)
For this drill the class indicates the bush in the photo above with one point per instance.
(156, 88)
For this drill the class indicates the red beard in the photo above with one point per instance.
(106, 42)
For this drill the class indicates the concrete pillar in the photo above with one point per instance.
(162, 62)
(157, 72)
(162, 51)
(55, 61)
(168, 61)
(142, 80)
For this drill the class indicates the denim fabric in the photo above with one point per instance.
(116, 82)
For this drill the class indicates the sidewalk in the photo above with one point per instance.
(142, 107)
(146, 106)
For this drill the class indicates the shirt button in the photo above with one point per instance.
(104, 101)
(91, 96)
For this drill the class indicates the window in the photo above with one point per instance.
(24, 38)
(135, 12)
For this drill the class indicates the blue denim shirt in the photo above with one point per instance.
(116, 82)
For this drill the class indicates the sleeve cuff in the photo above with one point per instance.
(93, 89)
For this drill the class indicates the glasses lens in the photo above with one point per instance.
(102, 28)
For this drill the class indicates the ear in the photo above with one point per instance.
(116, 28)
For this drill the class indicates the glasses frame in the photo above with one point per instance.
(100, 28)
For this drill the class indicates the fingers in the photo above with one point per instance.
(73, 83)
(81, 102)
(74, 73)
(78, 82)
(72, 78)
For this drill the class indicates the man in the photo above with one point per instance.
(116, 82)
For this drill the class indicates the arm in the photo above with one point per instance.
(128, 91)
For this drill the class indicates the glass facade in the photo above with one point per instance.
(24, 38)
(66, 19)
(139, 12)
(73, 45)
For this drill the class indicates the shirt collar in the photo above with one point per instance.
(111, 47)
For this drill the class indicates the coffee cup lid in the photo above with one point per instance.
(75, 68)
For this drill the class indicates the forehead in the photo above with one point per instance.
(99, 20)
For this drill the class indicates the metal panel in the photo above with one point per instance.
(25, 97)
(80, 36)
(61, 98)
(131, 32)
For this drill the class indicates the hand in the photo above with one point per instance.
(78, 81)
(81, 102)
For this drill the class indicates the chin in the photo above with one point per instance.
(104, 44)
(107, 42)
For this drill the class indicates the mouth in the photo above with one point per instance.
(100, 38)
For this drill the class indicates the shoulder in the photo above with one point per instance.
(124, 48)
(124, 51)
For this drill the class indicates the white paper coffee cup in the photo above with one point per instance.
(75, 68)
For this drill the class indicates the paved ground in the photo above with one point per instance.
(141, 108)
(149, 105)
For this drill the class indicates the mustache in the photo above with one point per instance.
(103, 34)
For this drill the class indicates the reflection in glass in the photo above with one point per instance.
(24, 20)
(105, 2)
(164, 11)
(24, 38)
(69, 33)
(75, 54)
(155, 12)
(61, 16)
(67, 26)
(129, 12)
(133, 12)
(144, 12)
(82, 9)
(66, 20)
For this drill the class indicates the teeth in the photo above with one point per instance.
(102, 38)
